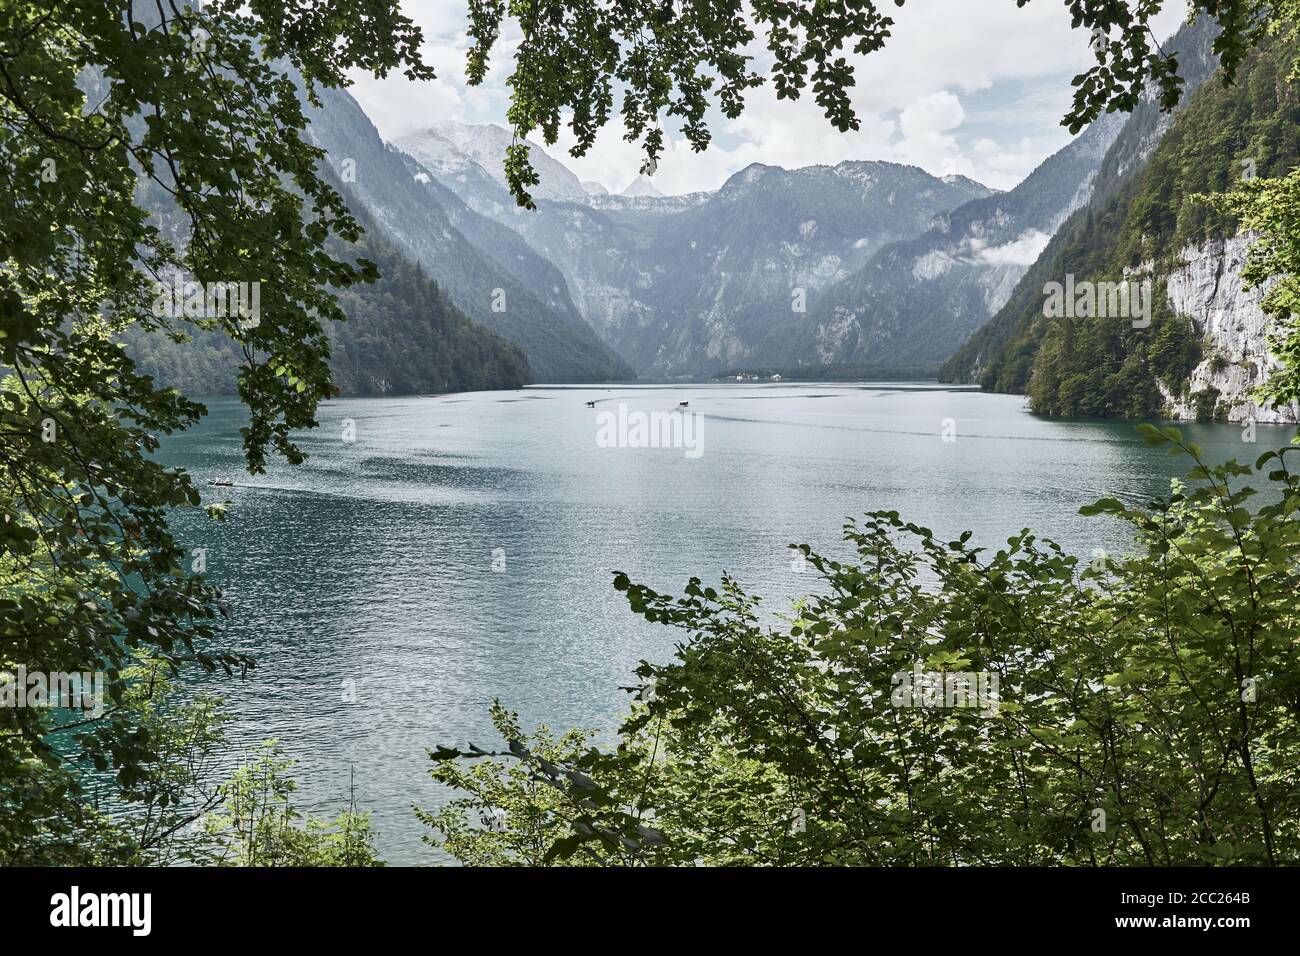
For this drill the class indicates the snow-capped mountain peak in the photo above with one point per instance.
(449, 147)
(641, 186)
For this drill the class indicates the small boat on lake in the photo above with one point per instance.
(221, 482)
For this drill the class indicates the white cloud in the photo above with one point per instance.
(931, 115)
(1021, 251)
(926, 125)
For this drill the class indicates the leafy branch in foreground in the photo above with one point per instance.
(142, 141)
(1269, 208)
(256, 824)
(674, 61)
(181, 807)
(1135, 711)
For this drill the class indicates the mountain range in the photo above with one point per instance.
(486, 270)
(857, 268)
(864, 268)
(691, 285)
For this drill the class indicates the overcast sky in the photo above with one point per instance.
(976, 87)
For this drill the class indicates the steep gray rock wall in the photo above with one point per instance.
(1207, 288)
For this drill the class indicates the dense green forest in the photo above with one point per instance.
(1107, 718)
(1105, 368)
(402, 336)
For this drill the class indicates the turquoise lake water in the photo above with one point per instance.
(370, 569)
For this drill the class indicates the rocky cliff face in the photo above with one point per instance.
(1206, 288)
(999, 355)
(915, 299)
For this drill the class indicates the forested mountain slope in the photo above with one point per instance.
(1206, 346)
(535, 313)
(402, 336)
